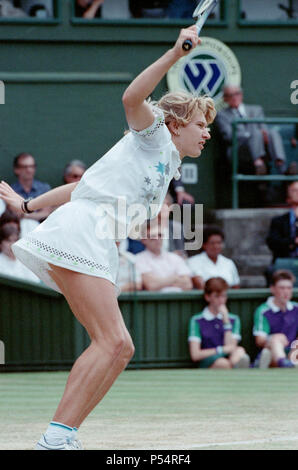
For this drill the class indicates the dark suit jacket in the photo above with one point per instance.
(225, 118)
(279, 238)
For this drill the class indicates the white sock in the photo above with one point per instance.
(58, 433)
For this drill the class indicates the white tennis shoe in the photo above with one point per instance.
(71, 444)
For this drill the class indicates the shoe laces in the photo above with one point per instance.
(73, 444)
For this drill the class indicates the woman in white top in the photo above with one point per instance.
(74, 249)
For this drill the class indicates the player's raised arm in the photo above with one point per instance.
(138, 113)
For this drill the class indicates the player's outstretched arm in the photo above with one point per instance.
(54, 197)
(138, 113)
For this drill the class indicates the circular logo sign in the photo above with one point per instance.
(206, 71)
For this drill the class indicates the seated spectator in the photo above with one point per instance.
(173, 229)
(88, 9)
(23, 224)
(211, 263)
(276, 323)
(161, 270)
(37, 8)
(24, 168)
(9, 264)
(214, 333)
(283, 234)
(9, 218)
(256, 143)
(173, 238)
(178, 193)
(148, 8)
(129, 278)
(8, 10)
(73, 171)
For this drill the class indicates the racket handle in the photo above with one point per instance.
(187, 45)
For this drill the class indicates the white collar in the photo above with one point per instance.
(219, 257)
(275, 308)
(210, 316)
(241, 109)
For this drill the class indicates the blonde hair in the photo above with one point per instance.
(181, 107)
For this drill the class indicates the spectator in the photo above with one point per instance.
(39, 11)
(283, 233)
(9, 218)
(73, 171)
(214, 333)
(161, 271)
(88, 9)
(37, 8)
(179, 194)
(8, 10)
(129, 278)
(23, 224)
(276, 323)
(173, 239)
(255, 141)
(148, 8)
(24, 168)
(9, 264)
(211, 263)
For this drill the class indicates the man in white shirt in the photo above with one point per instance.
(211, 263)
(128, 278)
(161, 270)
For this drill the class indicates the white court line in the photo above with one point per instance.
(232, 443)
(255, 441)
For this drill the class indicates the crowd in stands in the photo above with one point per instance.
(158, 262)
(266, 10)
(90, 9)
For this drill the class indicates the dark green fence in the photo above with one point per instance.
(40, 333)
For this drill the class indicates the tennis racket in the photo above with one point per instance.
(201, 13)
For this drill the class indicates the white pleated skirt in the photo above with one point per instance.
(70, 238)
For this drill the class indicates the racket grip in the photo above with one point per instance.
(187, 45)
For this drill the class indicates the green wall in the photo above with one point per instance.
(40, 332)
(64, 82)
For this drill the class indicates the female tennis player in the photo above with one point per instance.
(74, 250)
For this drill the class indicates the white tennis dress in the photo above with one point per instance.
(80, 235)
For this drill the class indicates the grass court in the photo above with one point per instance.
(179, 409)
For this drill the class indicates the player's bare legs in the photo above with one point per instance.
(94, 303)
